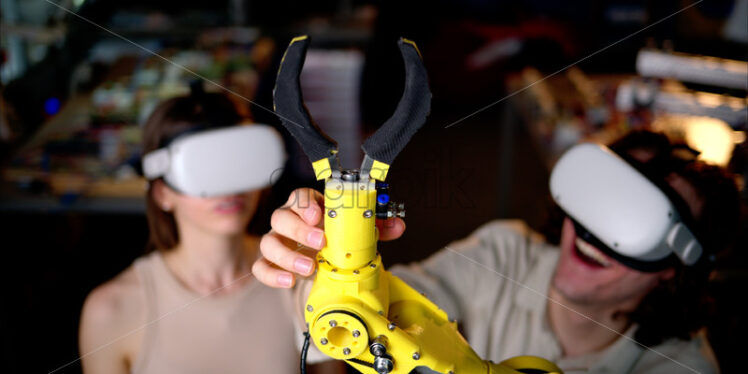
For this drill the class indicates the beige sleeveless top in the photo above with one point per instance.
(246, 331)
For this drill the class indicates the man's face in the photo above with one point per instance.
(585, 275)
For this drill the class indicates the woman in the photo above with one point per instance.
(191, 305)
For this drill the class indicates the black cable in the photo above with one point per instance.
(304, 349)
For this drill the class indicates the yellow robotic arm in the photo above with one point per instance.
(357, 311)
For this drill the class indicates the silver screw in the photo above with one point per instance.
(346, 351)
(383, 365)
(309, 308)
(416, 356)
(332, 213)
(323, 341)
(321, 261)
(356, 333)
(391, 326)
(377, 348)
(356, 272)
(373, 265)
(363, 187)
(367, 213)
(333, 323)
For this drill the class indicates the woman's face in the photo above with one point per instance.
(221, 216)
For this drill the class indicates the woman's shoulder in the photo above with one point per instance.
(111, 315)
(115, 298)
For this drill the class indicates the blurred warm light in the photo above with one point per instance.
(713, 137)
(739, 137)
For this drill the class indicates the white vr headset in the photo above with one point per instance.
(219, 162)
(621, 212)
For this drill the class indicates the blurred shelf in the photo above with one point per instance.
(71, 204)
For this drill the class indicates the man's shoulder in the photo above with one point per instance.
(508, 246)
(509, 234)
(679, 356)
(507, 227)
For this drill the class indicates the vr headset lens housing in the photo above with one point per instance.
(219, 162)
(621, 209)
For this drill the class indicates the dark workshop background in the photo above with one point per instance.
(74, 96)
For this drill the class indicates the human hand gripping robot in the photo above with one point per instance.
(356, 310)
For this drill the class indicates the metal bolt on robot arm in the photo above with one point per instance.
(357, 311)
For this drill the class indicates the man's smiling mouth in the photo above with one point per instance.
(591, 254)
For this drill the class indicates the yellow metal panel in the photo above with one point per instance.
(322, 168)
(350, 213)
(379, 170)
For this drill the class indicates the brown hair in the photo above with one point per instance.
(199, 111)
(680, 306)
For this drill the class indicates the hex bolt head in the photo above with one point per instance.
(368, 213)
(391, 326)
(333, 323)
(416, 356)
(356, 333)
(332, 213)
(373, 265)
(309, 308)
(346, 351)
(323, 341)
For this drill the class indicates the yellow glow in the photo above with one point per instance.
(712, 137)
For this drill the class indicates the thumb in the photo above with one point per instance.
(390, 229)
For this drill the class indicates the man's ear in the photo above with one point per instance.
(162, 195)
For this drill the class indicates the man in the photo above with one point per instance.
(575, 305)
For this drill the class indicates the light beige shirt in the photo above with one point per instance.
(495, 283)
(246, 331)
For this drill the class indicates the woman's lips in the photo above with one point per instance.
(230, 205)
